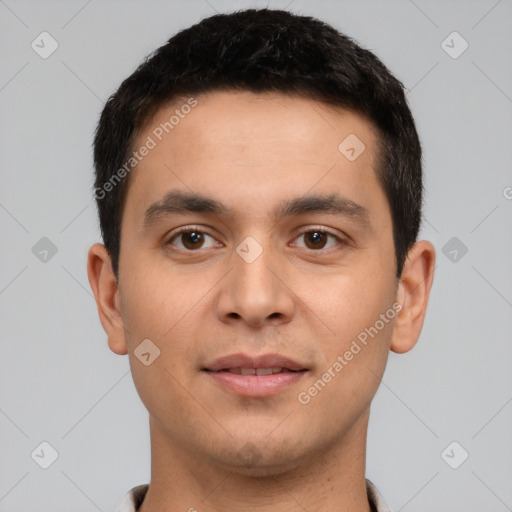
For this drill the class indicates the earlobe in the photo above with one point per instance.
(413, 293)
(106, 292)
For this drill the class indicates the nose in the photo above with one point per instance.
(256, 292)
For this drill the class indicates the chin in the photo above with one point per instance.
(261, 460)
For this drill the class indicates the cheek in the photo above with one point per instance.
(343, 305)
(164, 310)
(174, 311)
(354, 342)
(354, 350)
(157, 302)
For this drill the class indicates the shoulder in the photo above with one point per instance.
(375, 498)
(134, 498)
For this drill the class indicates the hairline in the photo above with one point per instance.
(142, 121)
(144, 117)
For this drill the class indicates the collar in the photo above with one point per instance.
(134, 498)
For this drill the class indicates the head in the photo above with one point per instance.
(262, 51)
(259, 187)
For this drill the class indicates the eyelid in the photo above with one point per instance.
(185, 229)
(341, 238)
(322, 228)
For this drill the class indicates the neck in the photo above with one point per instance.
(332, 480)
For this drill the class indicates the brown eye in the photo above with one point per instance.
(192, 239)
(315, 239)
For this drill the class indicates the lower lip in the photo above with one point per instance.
(256, 385)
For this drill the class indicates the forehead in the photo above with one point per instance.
(245, 146)
(236, 120)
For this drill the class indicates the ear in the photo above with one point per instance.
(106, 292)
(413, 292)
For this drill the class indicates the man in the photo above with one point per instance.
(259, 187)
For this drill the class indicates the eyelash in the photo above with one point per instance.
(311, 229)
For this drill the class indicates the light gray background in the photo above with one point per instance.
(60, 383)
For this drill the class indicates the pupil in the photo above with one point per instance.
(193, 239)
(316, 238)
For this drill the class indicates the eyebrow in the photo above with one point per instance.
(182, 202)
(332, 204)
(179, 202)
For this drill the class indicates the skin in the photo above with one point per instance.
(212, 449)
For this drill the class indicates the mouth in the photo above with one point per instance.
(256, 371)
(270, 363)
(259, 376)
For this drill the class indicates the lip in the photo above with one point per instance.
(255, 385)
(246, 361)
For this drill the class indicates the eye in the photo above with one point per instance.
(191, 239)
(318, 239)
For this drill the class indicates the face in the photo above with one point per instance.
(252, 242)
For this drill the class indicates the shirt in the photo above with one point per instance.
(133, 500)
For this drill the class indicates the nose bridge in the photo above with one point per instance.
(252, 271)
(254, 292)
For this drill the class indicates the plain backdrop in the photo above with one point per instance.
(59, 382)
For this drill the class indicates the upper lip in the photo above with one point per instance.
(247, 361)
